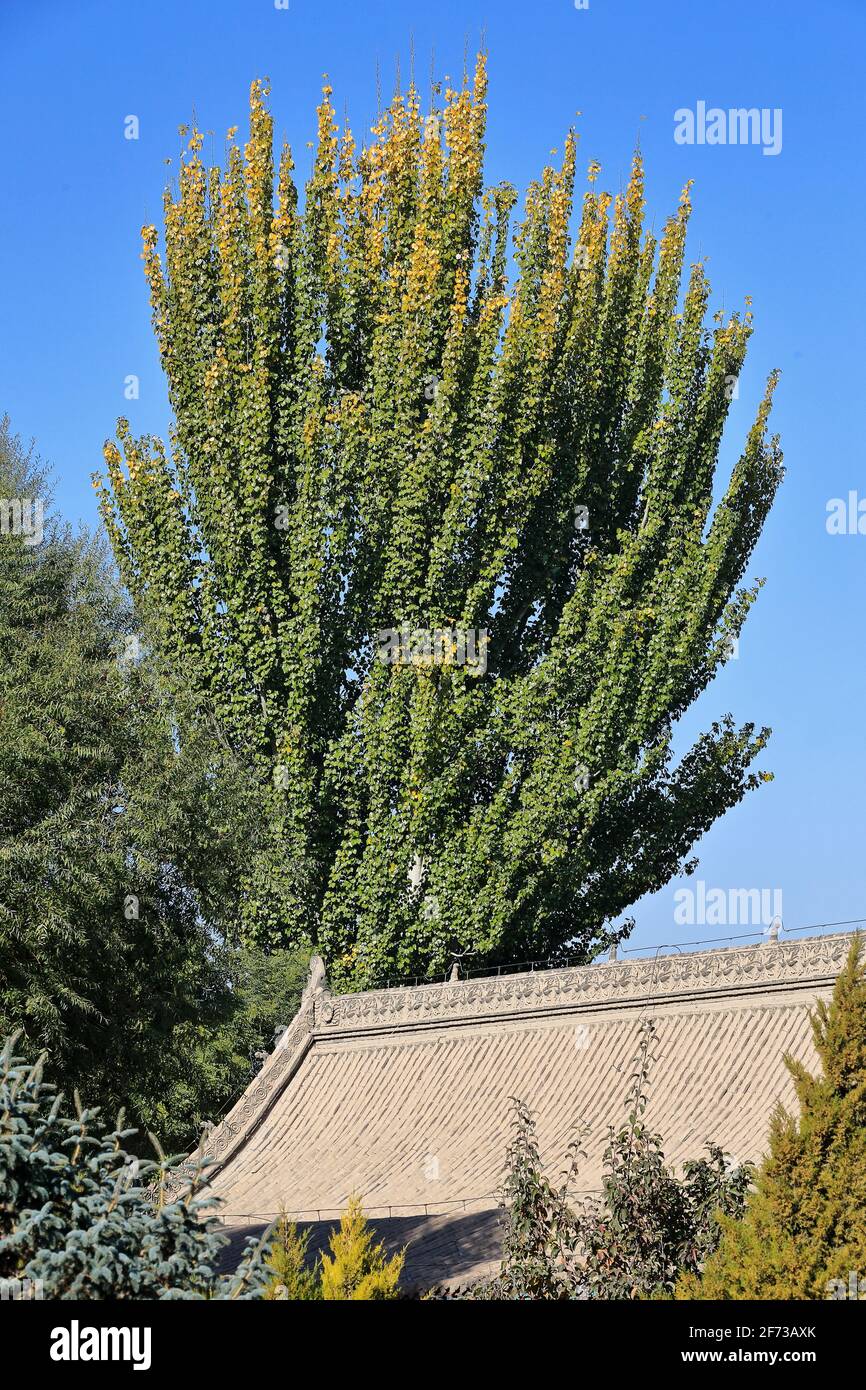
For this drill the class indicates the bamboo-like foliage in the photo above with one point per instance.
(381, 419)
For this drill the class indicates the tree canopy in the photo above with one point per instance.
(393, 417)
(121, 830)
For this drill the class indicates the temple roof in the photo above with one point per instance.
(403, 1095)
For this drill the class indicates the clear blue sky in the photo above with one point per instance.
(786, 229)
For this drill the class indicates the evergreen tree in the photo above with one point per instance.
(85, 1219)
(357, 1267)
(441, 550)
(804, 1230)
(291, 1277)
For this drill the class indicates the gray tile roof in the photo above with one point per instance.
(402, 1095)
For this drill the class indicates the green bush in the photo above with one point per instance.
(646, 1229)
(541, 1230)
(88, 1220)
(649, 1225)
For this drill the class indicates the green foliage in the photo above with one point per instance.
(805, 1225)
(649, 1226)
(541, 1230)
(292, 1278)
(713, 1190)
(121, 831)
(258, 994)
(103, 959)
(87, 1219)
(357, 1267)
(637, 1233)
(646, 1229)
(374, 428)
